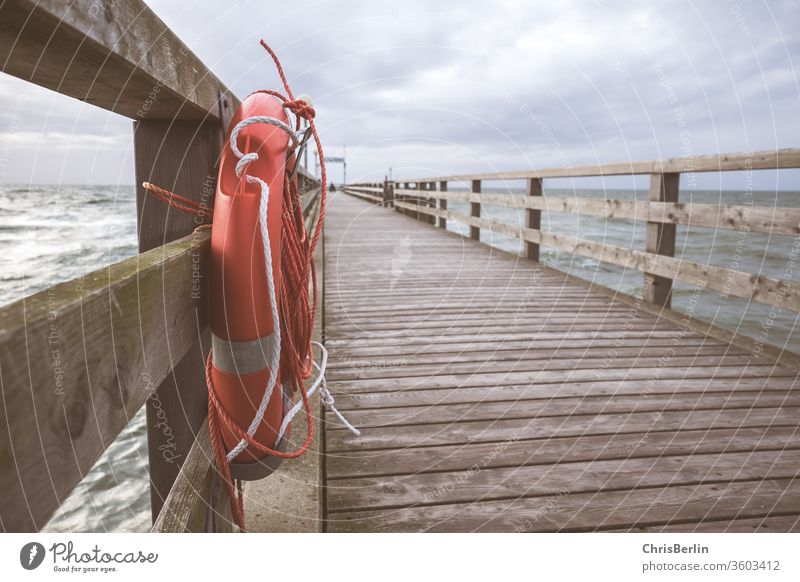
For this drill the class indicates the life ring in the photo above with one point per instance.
(242, 326)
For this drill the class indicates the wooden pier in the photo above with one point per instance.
(493, 393)
(496, 394)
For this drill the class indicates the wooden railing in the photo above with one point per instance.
(661, 213)
(77, 361)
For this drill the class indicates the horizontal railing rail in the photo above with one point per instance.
(763, 160)
(662, 213)
(79, 360)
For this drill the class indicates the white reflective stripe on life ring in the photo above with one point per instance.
(241, 358)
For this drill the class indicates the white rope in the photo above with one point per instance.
(324, 394)
(244, 160)
(327, 398)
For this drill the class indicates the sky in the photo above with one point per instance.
(432, 88)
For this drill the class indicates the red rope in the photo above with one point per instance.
(298, 310)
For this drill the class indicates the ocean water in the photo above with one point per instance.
(50, 234)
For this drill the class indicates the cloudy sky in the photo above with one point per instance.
(447, 87)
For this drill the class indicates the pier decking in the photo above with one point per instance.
(495, 394)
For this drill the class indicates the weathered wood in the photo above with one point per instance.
(567, 511)
(782, 523)
(761, 219)
(475, 212)
(547, 451)
(776, 292)
(533, 218)
(660, 239)
(762, 160)
(480, 380)
(499, 430)
(363, 193)
(442, 204)
(192, 504)
(530, 404)
(182, 158)
(116, 55)
(77, 362)
(626, 473)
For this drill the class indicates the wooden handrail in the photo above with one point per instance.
(762, 219)
(662, 213)
(762, 160)
(740, 284)
(116, 55)
(77, 362)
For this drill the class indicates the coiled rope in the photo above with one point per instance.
(294, 357)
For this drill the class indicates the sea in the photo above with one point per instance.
(54, 233)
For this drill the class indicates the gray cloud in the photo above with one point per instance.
(461, 86)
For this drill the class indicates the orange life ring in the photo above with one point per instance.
(241, 316)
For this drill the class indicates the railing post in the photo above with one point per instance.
(660, 238)
(388, 193)
(533, 218)
(430, 202)
(179, 156)
(420, 186)
(475, 211)
(443, 204)
(423, 186)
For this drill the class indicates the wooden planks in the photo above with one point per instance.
(116, 55)
(76, 363)
(495, 395)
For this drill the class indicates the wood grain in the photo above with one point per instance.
(495, 394)
(116, 55)
(79, 360)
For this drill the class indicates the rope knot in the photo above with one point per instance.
(244, 161)
(301, 108)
